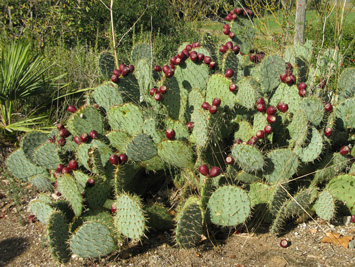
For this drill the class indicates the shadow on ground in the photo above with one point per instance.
(11, 248)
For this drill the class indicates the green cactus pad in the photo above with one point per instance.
(305, 50)
(85, 150)
(141, 51)
(20, 167)
(191, 75)
(200, 131)
(85, 120)
(92, 240)
(346, 84)
(245, 131)
(345, 111)
(144, 77)
(313, 108)
(228, 206)
(202, 50)
(342, 188)
(58, 236)
(64, 207)
(181, 131)
(281, 165)
(271, 69)
(107, 95)
(174, 99)
(249, 158)
(30, 142)
(289, 95)
(293, 207)
(258, 194)
(127, 118)
(176, 153)
(41, 210)
(247, 178)
(330, 166)
(259, 123)
(41, 181)
(298, 128)
(46, 156)
(81, 178)
(119, 140)
(126, 177)
(159, 217)
(325, 206)
(244, 34)
(230, 61)
(97, 194)
(106, 64)
(218, 87)
(277, 197)
(129, 89)
(189, 226)
(69, 190)
(313, 147)
(141, 148)
(206, 186)
(247, 93)
(153, 164)
(129, 219)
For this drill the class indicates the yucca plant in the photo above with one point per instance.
(22, 74)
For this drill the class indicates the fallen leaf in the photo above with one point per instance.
(313, 231)
(337, 239)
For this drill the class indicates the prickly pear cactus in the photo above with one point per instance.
(230, 132)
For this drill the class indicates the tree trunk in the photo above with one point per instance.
(300, 22)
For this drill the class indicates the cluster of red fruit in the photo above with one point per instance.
(158, 93)
(288, 77)
(256, 56)
(215, 171)
(118, 159)
(123, 70)
(239, 11)
(63, 133)
(212, 109)
(61, 169)
(229, 46)
(184, 55)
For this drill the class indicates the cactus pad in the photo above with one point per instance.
(92, 240)
(58, 236)
(189, 226)
(345, 111)
(106, 64)
(281, 165)
(248, 157)
(69, 190)
(107, 95)
(129, 219)
(228, 206)
(20, 167)
(271, 69)
(127, 118)
(176, 153)
(325, 206)
(141, 148)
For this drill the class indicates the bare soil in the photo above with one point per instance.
(26, 245)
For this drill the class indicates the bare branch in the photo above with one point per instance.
(134, 24)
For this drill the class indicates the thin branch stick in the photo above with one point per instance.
(134, 24)
(113, 35)
(104, 4)
(151, 42)
(336, 49)
(320, 50)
